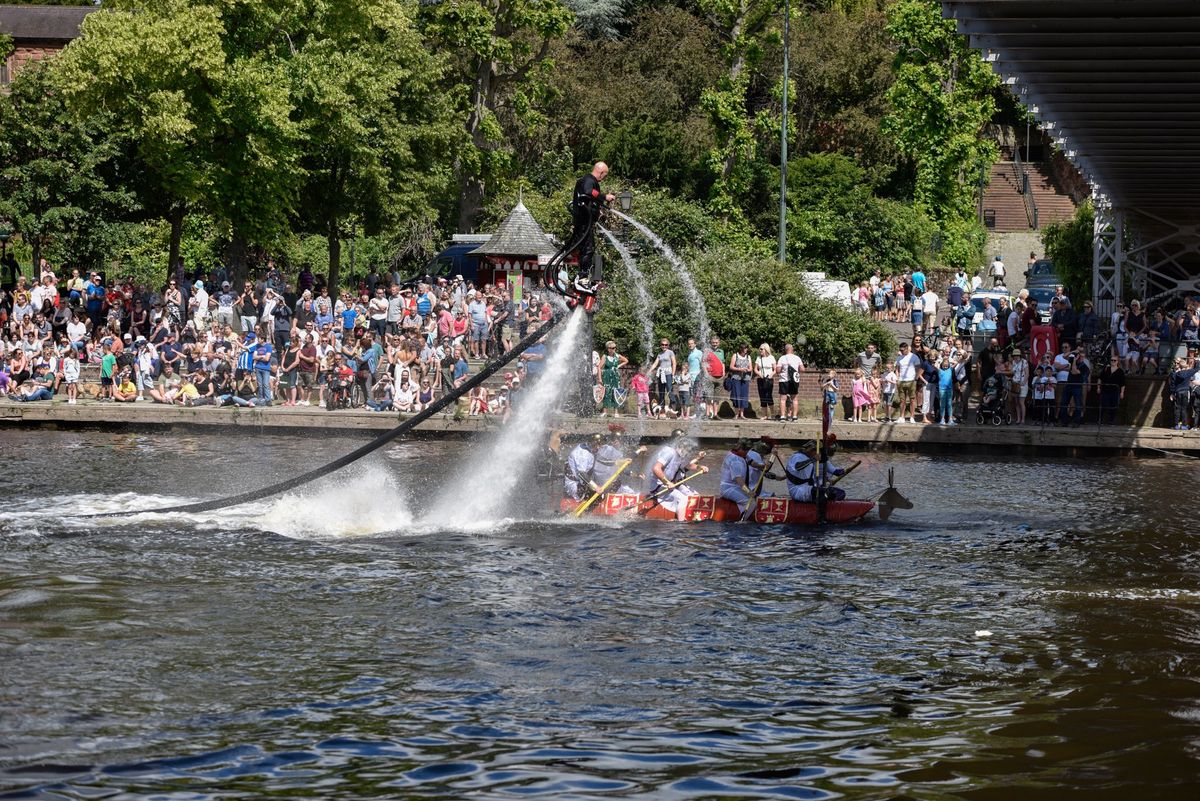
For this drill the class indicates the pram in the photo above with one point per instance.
(994, 406)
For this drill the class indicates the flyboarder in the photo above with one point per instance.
(587, 202)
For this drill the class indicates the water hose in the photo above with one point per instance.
(372, 446)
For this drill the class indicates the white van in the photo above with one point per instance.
(837, 291)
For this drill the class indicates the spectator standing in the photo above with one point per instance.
(664, 373)
(1020, 380)
(789, 368)
(1077, 377)
(741, 368)
(1112, 390)
(908, 364)
(764, 374)
(609, 376)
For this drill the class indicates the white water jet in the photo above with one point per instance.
(496, 471)
(645, 302)
(685, 277)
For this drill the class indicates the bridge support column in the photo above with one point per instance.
(1108, 257)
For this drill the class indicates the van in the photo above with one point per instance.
(455, 259)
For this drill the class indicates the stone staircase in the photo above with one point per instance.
(1004, 197)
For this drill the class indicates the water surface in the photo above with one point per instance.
(1030, 630)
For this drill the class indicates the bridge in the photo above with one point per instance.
(1116, 86)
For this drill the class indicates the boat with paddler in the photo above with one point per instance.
(706, 508)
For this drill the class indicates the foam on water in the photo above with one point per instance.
(362, 500)
(497, 470)
(638, 279)
(699, 310)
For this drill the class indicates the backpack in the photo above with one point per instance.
(714, 365)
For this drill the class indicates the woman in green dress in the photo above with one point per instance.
(609, 376)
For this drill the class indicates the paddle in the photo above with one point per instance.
(583, 507)
(654, 498)
(753, 504)
(849, 470)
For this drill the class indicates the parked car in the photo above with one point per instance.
(1043, 293)
(1041, 273)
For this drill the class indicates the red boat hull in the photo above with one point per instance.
(702, 508)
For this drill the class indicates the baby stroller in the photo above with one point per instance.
(994, 406)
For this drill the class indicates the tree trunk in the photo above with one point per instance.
(236, 258)
(470, 202)
(473, 187)
(36, 243)
(335, 258)
(176, 220)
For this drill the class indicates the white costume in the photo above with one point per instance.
(580, 463)
(672, 467)
(734, 473)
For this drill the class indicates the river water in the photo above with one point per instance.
(1029, 630)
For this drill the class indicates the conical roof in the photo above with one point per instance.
(518, 235)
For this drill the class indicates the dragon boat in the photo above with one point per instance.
(705, 508)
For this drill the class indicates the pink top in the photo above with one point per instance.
(639, 383)
(862, 393)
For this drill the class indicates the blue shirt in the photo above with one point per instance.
(918, 279)
(348, 318)
(263, 349)
(95, 296)
(460, 369)
(945, 378)
(694, 359)
(536, 366)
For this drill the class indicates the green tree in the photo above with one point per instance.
(840, 227)
(209, 129)
(500, 49)
(740, 25)
(57, 173)
(376, 128)
(1069, 245)
(941, 101)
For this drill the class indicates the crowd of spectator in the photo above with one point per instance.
(392, 345)
(201, 340)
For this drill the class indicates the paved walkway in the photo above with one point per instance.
(1000, 440)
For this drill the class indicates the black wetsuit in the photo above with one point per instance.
(585, 210)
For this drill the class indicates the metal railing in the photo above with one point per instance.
(1022, 176)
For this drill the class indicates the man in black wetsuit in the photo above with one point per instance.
(585, 211)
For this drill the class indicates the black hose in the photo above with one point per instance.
(373, 445)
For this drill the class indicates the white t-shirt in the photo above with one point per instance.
(765, 365)
(907, 366)
(998, 268)
(931, 302)
(790, 366)
(1062, 368)
(889, 381)
(76, 331)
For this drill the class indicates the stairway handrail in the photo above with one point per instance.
(1023, 187)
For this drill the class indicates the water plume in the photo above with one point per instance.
(699, 311)
(644, 301)
(496, 471)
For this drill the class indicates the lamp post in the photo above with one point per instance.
(783, 135)
(626, 200)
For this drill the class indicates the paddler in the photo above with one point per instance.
(735, 476)
(609, 457)
(578, 479)
(670, 463)
(758, 463)
(803, 475)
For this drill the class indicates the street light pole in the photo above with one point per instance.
(783, 136)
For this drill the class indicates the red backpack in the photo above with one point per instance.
(716, 368)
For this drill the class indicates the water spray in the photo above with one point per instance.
(372, 446)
